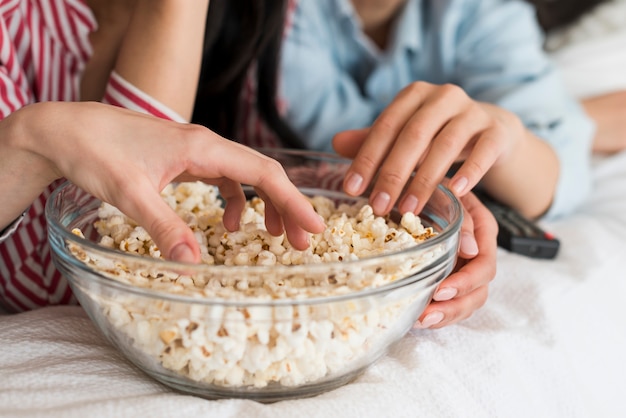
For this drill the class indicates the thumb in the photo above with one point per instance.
(468, 247)
(171, 234)
(173, 237)
(348, 143)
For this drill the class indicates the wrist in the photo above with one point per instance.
(526, 180)
(24, 173)
(27, 141)
(514, 132)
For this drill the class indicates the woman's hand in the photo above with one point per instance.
(466, 289)
(126, 158)
(429, 127)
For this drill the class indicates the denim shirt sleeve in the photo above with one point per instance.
(491, 48)
(499, 61)
(321, 99)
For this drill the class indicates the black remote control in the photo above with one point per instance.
(519, 234)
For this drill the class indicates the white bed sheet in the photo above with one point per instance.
(550, 341)
(592, 51)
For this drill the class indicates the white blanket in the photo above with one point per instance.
(592, 51)
(550, 342)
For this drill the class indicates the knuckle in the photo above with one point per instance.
(392, 178)
(194, 133)
(424, 181)
(366, 163)
(194, 129)
(414, 134)
(194, 137)
(274, 167)
(447, 141)
(272, 170)
(474, 169)
(166, 228)
(415, 87)
(453, 90)
(122, 187)
(386, 122)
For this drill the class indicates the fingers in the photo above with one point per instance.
(461, 132)
(277, 223)
(441, 314)
(439, 129)
(153, 152)
(484, 154)
(468, 247)
(297, 237)
(485, 225)
(381, 138)
(273, 220)
(235, 201)
(204, 155)
(427, 126)
(348, 143)
(171, 234)
(282, 199)
(286, 207)
(466, 289)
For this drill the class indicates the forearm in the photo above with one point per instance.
(609, 114)
(162, 51)
(526, 179)
(24, 173)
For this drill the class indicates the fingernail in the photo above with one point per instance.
(431, 319)
(182, 254)
(353, 183)
(468, 244)
(380, 202)
(445, 293)
(459, 185)
(409, 204)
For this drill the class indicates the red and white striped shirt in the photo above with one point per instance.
(44, 47)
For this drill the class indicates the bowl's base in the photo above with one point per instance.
(269, 394)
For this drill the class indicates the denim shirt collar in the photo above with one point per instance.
(406, 31)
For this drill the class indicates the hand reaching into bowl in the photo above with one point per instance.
(466, 289)
(427, 128)
(126, 158)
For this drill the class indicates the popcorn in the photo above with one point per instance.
(259, 344)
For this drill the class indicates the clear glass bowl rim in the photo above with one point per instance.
(55, 227)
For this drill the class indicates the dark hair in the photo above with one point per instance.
(554, 14)
(240, 33)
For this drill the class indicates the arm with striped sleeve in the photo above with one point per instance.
(15, 93)
(158, 65)
(122, 93)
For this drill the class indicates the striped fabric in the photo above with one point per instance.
(43, 49)
(44, 46)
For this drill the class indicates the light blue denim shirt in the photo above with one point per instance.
(334, 78)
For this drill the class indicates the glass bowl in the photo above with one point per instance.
(298, 344)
